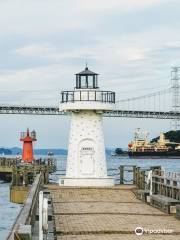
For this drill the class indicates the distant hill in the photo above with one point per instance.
(173, 136)
(40, 151)
(43, 151)
(5, 151)
(15, 150)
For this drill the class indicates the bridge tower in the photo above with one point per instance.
(175, 124)
(86, 161)
(28, 138)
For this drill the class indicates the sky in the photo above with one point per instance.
(132, 44)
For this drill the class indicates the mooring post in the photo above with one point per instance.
(155, 181)
(121, 174)
(25, 177)
(138, 177)
(34, 171)
(134, 175)
(174, 189)
(46, 175)
(143, 179)
(17, 177)
(13, 182)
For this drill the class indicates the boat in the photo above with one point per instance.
(119, 152)
(50, 154)
(142, 147)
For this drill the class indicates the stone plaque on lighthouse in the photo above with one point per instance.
(86, 161)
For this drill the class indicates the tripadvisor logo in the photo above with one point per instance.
(139, 231)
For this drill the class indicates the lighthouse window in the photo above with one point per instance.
(96, 82)
(90, 82)
(84, 82)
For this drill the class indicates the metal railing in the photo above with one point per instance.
(166, 183)
(124, 174)
(27, 213)
(88, 95)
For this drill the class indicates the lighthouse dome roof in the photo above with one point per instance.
(86, 71)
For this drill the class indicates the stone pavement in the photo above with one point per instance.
(107, 214)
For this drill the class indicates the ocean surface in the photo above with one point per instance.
(9, 211)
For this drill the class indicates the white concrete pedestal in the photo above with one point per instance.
(86, 161)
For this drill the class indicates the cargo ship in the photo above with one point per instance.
(142, 147)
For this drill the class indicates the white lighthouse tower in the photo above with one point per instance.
(86, 161)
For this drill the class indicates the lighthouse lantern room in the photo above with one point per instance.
(86, 161)
(28, 138)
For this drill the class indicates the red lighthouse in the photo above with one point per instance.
(28, 138)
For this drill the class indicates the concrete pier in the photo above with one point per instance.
(105, 213)
(109, 213)
(21, 175)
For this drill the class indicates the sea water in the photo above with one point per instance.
(9, 211)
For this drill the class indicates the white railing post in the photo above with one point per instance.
(149, 181)
(43, 215)
(40, 215)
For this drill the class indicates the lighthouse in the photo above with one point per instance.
(28, 138)
(86, 161)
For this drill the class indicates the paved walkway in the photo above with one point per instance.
(107, 213)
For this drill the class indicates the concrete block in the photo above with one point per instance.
(178, 212)
(24, 232)
(164, 203)
(143, 195)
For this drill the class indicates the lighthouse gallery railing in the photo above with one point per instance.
(85, 95)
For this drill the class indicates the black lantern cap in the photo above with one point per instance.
(85, 72)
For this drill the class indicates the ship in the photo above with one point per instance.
(142, 147)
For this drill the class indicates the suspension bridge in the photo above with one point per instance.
(164, 104)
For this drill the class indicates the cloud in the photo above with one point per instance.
(132, 44)
(39, 86)
(124, 63)
(34, 50)
(40, 18)
(121, 5)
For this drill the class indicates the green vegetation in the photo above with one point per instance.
(173, 136)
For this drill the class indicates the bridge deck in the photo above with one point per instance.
(106, 213)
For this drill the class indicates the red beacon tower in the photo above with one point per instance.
(28, 138)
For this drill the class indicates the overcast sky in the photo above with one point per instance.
(132, 44)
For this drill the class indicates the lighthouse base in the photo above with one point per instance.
(88, 182)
